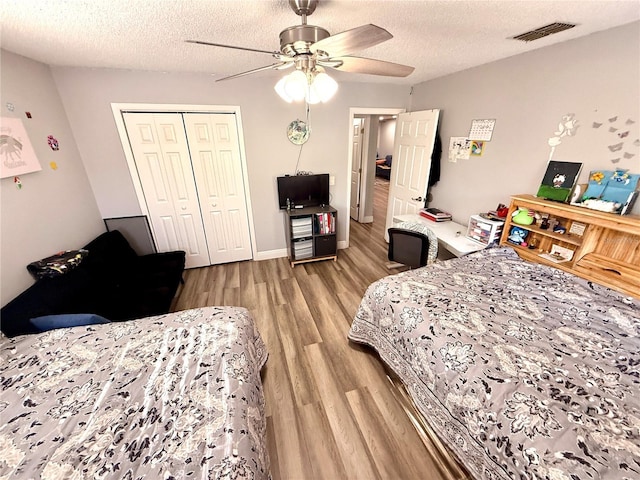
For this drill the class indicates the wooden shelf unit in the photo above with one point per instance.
(607, 252)
(307, 240)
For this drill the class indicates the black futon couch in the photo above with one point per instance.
(383, 170)
(113, 281)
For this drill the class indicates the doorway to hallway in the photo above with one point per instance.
(380, 201)
(366, 174)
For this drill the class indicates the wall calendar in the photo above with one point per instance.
(482, 129)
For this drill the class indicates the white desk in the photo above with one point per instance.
(451, 235)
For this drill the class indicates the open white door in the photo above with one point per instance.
(413, 145)
(356, 167)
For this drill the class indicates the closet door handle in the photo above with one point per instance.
(214, 204)
(184, 208)
(419, 199)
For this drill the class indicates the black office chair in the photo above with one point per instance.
(407, 247)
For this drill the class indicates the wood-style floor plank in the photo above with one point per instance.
(331, 411)
(348, 435)
(384, 450)
(302, 317)
(287, 424)
(304, 386)
(324, 453)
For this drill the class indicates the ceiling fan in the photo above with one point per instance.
(310, 49)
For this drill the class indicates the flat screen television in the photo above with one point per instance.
(303, 190)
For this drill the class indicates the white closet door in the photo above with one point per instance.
(215, 155)
(161, 154)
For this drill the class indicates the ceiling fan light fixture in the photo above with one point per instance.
(279, 88)
(296, 85)
(313, 97)
(325, 86)
(314, 88)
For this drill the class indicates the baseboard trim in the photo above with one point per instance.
(392, 265)
(282, 252)
(269, 254)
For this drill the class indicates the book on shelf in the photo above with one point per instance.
(492, 215)
(326, 223)
(628, 205)
(558, 254)
(435, 214)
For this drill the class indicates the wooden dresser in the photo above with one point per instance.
(606, 246)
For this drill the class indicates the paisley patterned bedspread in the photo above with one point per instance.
(172, 396)
(524, 371)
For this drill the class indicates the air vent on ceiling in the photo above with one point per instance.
(543, 31)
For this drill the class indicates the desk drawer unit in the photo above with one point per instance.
(484, 230)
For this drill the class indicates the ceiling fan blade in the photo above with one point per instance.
(275, 66)
(370, 66)
(352, 40)
(200, 42)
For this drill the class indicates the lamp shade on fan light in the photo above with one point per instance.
(314, 88)
(295, 85)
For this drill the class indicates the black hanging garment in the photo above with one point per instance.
(434, 174)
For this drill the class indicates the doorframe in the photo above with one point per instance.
(353, 111)
(363, 128)
(119, 108)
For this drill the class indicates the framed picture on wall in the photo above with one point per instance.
(559, 180)
(17, 156)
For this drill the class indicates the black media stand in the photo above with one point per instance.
(311, 234)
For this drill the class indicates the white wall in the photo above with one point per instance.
(369, 173)
(88, 93)
(597, 78)
(387, 137)
(55, 209)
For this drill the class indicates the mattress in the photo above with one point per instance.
(171, 396)
(522, 370)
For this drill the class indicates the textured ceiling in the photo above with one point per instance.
(436, 37)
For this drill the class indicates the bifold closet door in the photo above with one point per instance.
(162, 158)
(215, 156)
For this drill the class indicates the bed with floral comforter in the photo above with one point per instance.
(522, 370)
(172, 396)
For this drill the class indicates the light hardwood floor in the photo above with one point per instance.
(331, 412)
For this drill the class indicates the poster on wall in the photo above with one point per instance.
(17, 156)
(477, 147)
(459, 148)
(559, 180)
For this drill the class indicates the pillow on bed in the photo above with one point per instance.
(51, 322)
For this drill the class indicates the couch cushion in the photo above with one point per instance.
(73, 292)
(111, 251)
